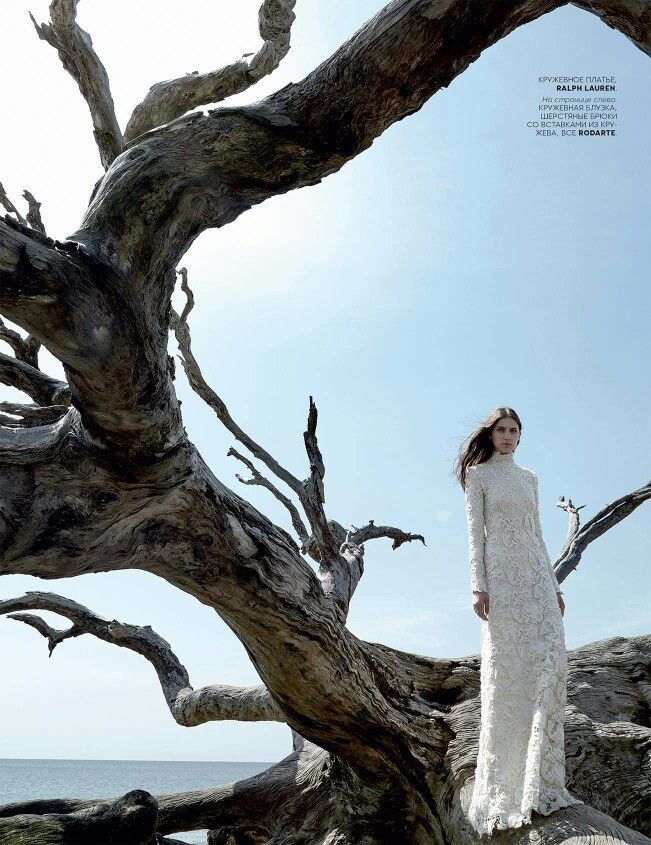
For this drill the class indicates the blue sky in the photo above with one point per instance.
(459, 264)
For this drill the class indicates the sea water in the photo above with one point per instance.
(24, 780)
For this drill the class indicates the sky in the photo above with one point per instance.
(459, 264)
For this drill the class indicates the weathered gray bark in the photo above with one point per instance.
(188, 706)
(104, 477)
(130, 820)
(75, 48)
(578, 538)
(312, 792)
(174, 97)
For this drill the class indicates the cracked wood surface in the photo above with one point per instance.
(115, 484)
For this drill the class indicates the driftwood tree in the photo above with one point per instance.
(98, 473)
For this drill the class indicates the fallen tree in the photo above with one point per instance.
(98, 474)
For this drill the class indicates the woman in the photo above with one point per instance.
(521, 758)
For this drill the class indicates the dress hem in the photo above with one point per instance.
(507, 821)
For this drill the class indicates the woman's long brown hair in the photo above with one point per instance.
(479, 446)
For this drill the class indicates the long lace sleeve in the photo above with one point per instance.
(540, 534)
(476, 537)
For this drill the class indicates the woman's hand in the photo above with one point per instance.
(561, 603)
(480, 604)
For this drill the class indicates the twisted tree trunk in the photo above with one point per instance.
(99, 474)
(313, 793)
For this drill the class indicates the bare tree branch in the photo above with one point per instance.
(341, 563)
(42, 388)
(600, 523)
(188, 706)
(305, 131)
(75, 48)
(130, 819)
(630, 17)
(341, 575)
(211, 168)
(113, 348)
(52, 635)
(573, 521)
(9, 206)
(34, 214)
(34, 273)
(373, 531)
(198, 383)
(313, 495)
(261, 481)
(174, 97)
(25, 348)
(21, 447)
(32, 415)
(310, 491)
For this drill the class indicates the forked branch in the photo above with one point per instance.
(309, 492)
(188, 706)
(174, 97)
(573, 521)
(25, 348)
(33, 218)
(340, 555)
(258, 479)
(213, 167)
(600, 523)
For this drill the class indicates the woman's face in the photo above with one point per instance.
(505, 435)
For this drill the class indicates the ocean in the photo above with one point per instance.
(22, 780)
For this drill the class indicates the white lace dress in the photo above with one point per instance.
(521, 758)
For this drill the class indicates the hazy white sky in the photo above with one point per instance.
(459, 264)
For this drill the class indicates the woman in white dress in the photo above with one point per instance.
(521, 757)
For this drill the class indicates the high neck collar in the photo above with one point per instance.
(499, 458)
